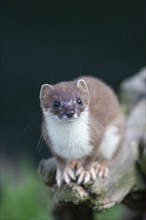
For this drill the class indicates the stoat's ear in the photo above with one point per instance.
(45, 91)
(82, 87)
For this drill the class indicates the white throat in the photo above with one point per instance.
(69, 140)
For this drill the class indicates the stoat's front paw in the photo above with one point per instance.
(85, 176)
(66, 175)
(101, 170)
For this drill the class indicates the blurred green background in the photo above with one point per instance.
(25, 197)
(51, 41)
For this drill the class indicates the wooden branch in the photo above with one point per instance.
(127, 176)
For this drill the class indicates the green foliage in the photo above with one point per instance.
(22, 195)
(114, 213)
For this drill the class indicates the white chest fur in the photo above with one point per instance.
(110, 142)
(70, 140)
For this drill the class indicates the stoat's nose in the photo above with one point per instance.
(70, 113)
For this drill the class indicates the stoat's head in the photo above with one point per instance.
(66, 100)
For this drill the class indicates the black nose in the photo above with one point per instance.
(70, 113)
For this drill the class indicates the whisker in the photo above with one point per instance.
(40, 142)
(27, 127)
(36, 117)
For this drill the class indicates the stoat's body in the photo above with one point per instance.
(83, 126)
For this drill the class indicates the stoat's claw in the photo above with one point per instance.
(97, 170)
(81, 177)
(59, 178)
(67, 178)
(101, 171)
(79, 171)
(66, 175)
(93, 173)
(85, 176)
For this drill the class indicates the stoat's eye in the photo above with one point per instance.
(79, 101)
(56, 104)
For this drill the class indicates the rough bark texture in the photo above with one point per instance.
(127, 177)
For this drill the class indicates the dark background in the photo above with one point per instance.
(51, 41)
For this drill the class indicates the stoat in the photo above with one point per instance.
(83, 126)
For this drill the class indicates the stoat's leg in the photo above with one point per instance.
(90, 170)
(82, 174)
(86, 172)
(101, 170)
(68, 174)
(85, 175)
(64, 172)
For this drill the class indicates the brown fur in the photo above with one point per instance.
(104, 110)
